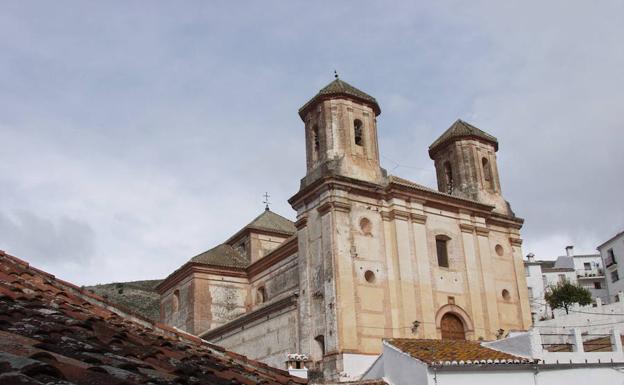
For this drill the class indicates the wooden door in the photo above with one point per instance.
(452, 328)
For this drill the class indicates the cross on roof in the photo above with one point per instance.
(266, 200)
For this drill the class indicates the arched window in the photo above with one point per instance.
(448, 177)
(320, 339)
(442, 250)
(261, 295)
(487, 173)
(316, 141)
(357, 132)
(176, 300)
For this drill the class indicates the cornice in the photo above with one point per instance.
(418, 218)
(515, 241)
(301, 223)
(483, 231)
(192, 267)
(334, 205)
(466, 228)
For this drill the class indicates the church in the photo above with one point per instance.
(370, 255)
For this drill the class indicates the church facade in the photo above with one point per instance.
(370, 255)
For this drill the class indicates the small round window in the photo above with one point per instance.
(369, 276)
(506, 295)
(499, 250)
(366, 226)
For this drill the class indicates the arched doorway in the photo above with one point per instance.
(452, 327)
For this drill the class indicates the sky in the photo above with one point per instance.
(135, 135)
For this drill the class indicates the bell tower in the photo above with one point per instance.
(341, 134)
(466, 167)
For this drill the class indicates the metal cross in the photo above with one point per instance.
(266, 200)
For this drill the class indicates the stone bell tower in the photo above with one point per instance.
(341, 134)
(465, 162)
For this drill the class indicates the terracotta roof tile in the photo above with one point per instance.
(443, 352)
(54, 332)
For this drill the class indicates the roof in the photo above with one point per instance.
(222, 255)
(458, 130)
(564, 262)
(227, 256)
(611, 239)
(54, 332)
(270, 221)
(445, 352)
(341, 88)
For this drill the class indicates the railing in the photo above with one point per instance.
(597, 343)
(590, 273)
(557, 342)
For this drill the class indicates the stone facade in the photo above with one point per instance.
(371, 256)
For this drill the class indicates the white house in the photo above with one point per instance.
(518, 360)
(586, 270)
(612, 253)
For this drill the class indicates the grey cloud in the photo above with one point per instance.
(45, 241)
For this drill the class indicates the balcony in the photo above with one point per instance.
(590, 274)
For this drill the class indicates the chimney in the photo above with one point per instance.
(530, 257)
(570, 251)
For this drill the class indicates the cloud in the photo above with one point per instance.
(159, 128)
(45, 241)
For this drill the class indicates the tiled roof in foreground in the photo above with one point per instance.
(52, 332)
(453, 352)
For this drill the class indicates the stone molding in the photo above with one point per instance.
(301, 223)
(418, 218)
(515, 241)
(334, 205)
(482, 231)
(466, 228)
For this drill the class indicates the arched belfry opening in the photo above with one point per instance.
(448, 177)
(452, 327)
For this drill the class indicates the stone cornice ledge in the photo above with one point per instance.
(515, 241)
(334, 205)
(483, 231)
(466, 228)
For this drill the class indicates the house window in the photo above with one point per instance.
(544, 280)
(610, 258)
(615, 276)
(357, 132)
(530, 289)
(448, 177)
(442, 251)
(597, 285)
(527, 271)
(587, 266)
(562, 277)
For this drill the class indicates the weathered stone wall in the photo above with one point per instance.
(469, 177)
(337, 151)
(266, 340)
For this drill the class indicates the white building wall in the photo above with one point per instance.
(589, 319)
(617, 245)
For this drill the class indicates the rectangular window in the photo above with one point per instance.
(597, 285)
(610, 258)
(530, 292)
(545, 280)
(562, 277)
(441, 248)
(587, 266)
(615, 276)
(527, 272)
